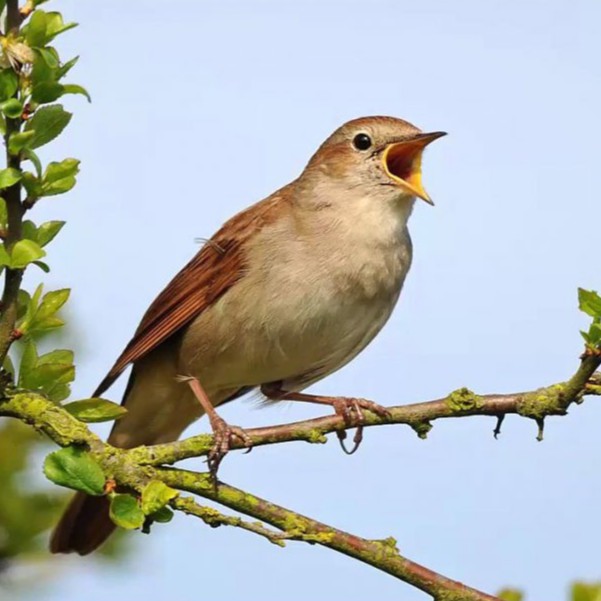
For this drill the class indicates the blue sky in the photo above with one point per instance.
(200, 109)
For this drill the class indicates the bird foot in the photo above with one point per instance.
(351, 411)
(224, 436)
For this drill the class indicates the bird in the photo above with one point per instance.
(287, 292)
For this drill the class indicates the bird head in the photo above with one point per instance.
(376, 154)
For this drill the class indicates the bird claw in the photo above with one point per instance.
(351, 411)
(224, 436)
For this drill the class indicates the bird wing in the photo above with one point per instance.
(211, 273)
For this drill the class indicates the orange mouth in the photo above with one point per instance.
(403, 163)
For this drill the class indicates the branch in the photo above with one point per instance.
(14, 214)
(214, 518)
(133, 469)
(536, 404)
(381, 554)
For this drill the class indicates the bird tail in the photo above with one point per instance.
(85, 523)
(84, 526)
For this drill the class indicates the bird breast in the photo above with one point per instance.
(318, 287)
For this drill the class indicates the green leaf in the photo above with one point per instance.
(56, 26)
(64, 356)
(48, 231)
(4, 256)
(47, 324)
(43, 266)
(29, 359)
(23, 300)
(30, 155)
(20, 140)
(50, 57)
(59, 187)
(47, 91)
(3, 215)
(41, 71)
(589, 302)
(9, 177)
(59, 177)
(163, 516)
(44, 377)
(37, 295)
(47, 123)
(59, 392)
(66, 67)
(9, 82)
(95, 410)
(35, 30)
(510, 594)
(585, 591)
(29, 230)
(25, 252)
(57, 171)
(32, 184)
(156, 494)
(72, 88)
(125, 512)
(9, 367)
(12, 108)
(75, 468)
(52, 302)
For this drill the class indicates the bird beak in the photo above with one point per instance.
(403, 163)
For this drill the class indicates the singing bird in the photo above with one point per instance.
(284, 294)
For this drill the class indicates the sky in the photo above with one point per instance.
(202, 108)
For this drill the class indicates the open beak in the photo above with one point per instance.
(403, 163)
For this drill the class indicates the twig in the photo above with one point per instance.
(133, 468)
(535, 404)
(380, 554)
(214, 518)
(14, 212)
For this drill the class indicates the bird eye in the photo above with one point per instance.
(362, 142)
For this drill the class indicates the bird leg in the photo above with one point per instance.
(348, 408)
(223, 433)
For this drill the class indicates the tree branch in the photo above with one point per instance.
(14, 214)
(381, 554)
(134, 468)
(536, 404)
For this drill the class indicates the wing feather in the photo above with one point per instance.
(210, 274)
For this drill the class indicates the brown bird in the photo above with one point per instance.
(285, 293)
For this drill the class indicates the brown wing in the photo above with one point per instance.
(213, 271)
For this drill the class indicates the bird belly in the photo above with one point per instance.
(298, 328)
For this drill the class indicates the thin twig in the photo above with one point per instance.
(535, 404)
(133, 468)
(380, 554)
(214, 518)
(14, 213)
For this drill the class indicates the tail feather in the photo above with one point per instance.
(84, 526)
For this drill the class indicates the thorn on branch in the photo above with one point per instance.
(540, 422)
(497, 431)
